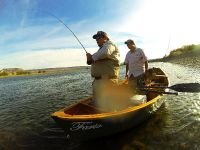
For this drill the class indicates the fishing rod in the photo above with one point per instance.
(66, 27)
(71, 32)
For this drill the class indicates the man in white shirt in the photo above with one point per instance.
(136, 65)
(104, 67)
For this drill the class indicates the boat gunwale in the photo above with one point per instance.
(61, 115)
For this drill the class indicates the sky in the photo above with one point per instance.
(31, 37)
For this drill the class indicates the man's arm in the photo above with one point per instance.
(126, 75)
(145, 60)
(146, 66)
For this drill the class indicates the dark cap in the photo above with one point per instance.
(100, 34)
(129, 42)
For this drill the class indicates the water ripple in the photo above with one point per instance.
(27, 102)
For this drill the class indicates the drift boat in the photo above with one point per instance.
(84, 120)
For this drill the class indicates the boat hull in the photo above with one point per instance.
(79, 129)
(84, 120)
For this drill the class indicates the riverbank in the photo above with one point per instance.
(45, 71)
(186, 59)
(189, 60)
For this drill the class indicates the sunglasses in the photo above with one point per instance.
(98, 37)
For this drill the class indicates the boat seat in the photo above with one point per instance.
(93, 107)
(159, 77)
(158, 84)
(82, 109)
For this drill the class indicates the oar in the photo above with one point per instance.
(159, 92)
(182, 87)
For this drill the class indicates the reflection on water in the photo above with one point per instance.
(27, 102)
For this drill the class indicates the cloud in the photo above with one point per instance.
(158, 22)
(44, 59)
(37, 37)
(49, 58)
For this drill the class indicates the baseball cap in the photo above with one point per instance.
(129, 41)
(100, 34)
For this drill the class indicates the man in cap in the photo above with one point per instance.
(136, 65)
(104, 67)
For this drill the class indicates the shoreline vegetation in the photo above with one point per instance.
(183, 55)
(12, 72)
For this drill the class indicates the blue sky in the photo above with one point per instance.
(31, 38)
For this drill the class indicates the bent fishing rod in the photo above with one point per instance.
(66, 27)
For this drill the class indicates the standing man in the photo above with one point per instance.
(104, 68)
(136, 65)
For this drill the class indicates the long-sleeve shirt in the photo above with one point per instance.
(106, 61)
(107, 51)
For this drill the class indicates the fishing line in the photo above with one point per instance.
(169, 40)
(167, 47)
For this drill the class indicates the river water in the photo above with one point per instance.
(27, 102)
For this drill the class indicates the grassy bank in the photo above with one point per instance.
(187, 55)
